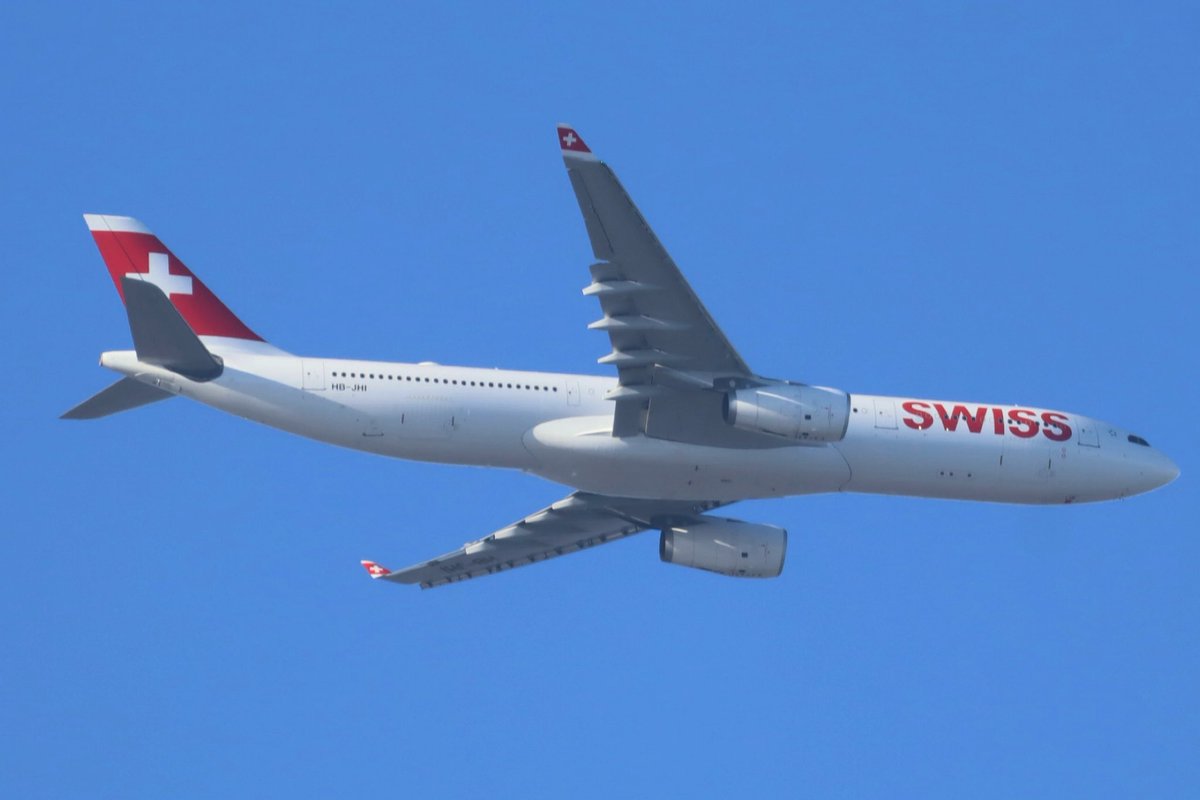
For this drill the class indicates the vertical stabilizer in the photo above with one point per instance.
(131, 250)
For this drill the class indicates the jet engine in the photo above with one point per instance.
(726, 546)
(793, 411)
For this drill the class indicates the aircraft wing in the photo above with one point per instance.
(575, 523)
(672, 360)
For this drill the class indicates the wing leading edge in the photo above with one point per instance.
(575, 523)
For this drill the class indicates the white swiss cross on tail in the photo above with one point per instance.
(131, 251)
(160, 275)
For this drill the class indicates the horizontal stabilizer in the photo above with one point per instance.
(123, 395)
(161, 336)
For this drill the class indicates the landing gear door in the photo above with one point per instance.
(314, 374)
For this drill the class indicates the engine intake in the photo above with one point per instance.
(807, 413)
(725, 546)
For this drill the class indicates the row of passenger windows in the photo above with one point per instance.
(453, 381)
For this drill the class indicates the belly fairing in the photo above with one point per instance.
(582, 452)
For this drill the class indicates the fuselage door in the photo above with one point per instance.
(1089, 434)
(572, 393)
(314, 374)
(885, 413)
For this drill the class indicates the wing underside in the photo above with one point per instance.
(575, 523)
(674, 364)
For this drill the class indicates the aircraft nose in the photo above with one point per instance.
(1165, 470)
(1146, 469)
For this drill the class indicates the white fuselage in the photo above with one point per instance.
(558, 426)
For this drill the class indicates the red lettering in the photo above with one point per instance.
(1022, 422)
(950, 421)
(974, 423)
(919, 410)
(1026, 425)
(1053, 419)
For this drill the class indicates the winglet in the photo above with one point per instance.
(572, 144)
(375, 570)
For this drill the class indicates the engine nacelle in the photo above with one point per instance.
(807, 413)
(726, 546)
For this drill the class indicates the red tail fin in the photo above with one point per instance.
(130, 249)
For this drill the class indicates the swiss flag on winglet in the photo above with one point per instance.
(375, 570)
(570, 141)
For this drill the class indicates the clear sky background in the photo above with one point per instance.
(995, 202)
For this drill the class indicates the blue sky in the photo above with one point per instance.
(995, 202)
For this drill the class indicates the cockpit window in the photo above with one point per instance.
(1138, 440)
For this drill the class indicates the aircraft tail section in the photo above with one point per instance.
(132, 252)
(174, 318)
(161, 338)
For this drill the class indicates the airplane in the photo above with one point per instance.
(685, 427)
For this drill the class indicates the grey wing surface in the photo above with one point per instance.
(673, 362)
(123, 395)
(575, 523)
